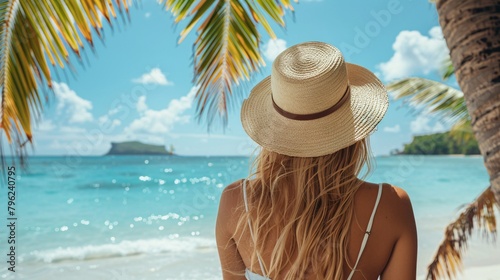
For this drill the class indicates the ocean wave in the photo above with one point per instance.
(121, 249)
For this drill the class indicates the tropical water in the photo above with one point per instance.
(146, 217)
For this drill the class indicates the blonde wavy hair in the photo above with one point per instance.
(303, 206)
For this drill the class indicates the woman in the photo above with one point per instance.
(306, 213)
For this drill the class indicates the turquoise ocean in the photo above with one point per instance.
(152, 217)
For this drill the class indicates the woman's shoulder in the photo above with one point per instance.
(229, 206)
(395, 205)
(389, 191)
(396, 194)
(231, 198)
(232, 191)
(398, 199)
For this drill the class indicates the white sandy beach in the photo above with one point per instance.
(491, 272)
(482, 272)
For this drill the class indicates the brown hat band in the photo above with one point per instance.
(308, 117)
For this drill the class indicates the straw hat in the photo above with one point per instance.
(313, 103)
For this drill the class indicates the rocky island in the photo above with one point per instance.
(138, 148)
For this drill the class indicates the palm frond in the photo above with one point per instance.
(461, 131)
(448, 69)
(480, 214)
(226, 50)
(436, 97)
(32, 32)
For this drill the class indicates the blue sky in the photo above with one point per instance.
(137, 85)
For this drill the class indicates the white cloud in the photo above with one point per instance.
(115, 110)
(71, 104)
(115, 123)
(392, 129)
(161, 121)
(155, 76)
(105, 119)
(47, 125)
(273, 48)
(71, 129)
(147, 15)
(415, 54)
(422, 125)
(141, 104)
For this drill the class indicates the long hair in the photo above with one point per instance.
(303, 207)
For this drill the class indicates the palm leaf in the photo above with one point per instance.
(448, 69)
(461, 131)
(226, 50)
(436, 97)
(480, 214)
(32, 32)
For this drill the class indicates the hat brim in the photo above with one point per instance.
(353, 121)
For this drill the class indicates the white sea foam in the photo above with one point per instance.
(122, 249)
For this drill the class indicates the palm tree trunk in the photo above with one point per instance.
(472, 32)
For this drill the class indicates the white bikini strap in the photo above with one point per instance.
(368, 230)
(250, 226)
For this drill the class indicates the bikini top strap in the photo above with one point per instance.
(368, 230)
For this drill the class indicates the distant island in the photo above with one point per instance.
(439, 144)
(138, 148)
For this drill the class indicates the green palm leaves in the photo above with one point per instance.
(226, 50)
(437, 98)
(32, 32)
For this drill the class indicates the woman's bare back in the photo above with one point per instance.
(389, 252)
